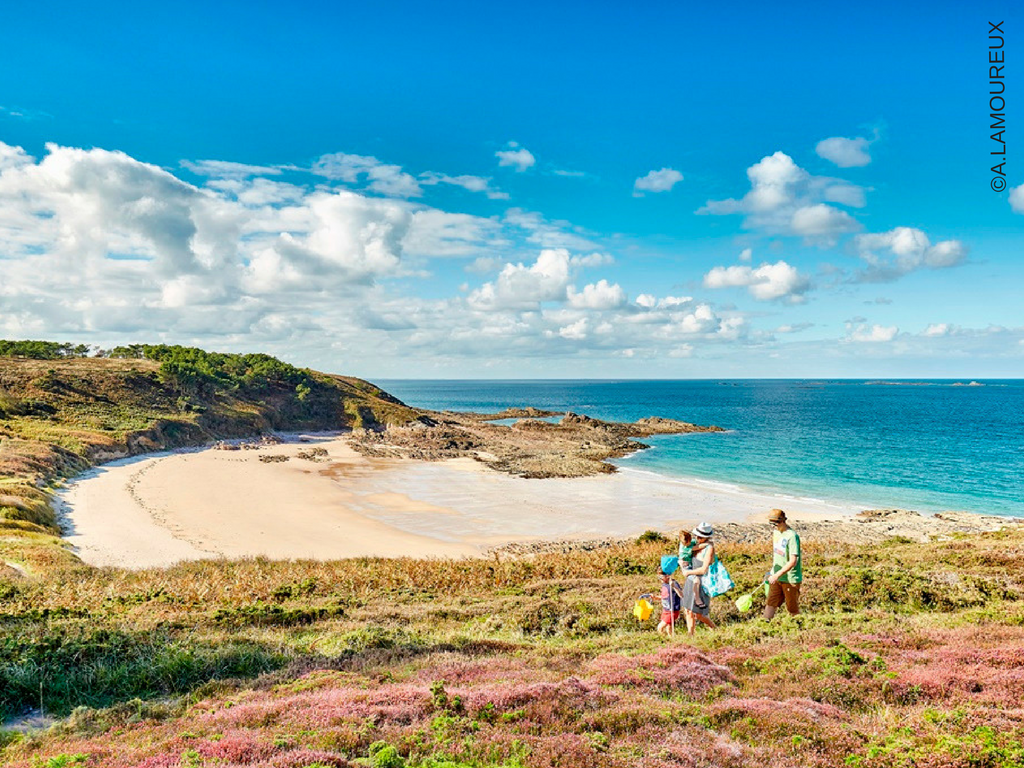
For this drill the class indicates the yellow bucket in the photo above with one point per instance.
(642, 610)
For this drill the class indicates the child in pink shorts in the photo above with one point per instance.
(671, 603)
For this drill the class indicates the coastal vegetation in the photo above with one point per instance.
(909, 654)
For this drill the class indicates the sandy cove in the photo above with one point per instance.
(282, 502)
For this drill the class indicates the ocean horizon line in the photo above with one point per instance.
(825, 379)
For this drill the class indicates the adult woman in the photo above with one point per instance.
(696, 600)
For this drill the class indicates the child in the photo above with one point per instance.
(687, 548)
(671, 603)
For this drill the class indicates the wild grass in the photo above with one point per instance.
(530, 662)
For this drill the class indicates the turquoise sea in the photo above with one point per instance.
(925, 445)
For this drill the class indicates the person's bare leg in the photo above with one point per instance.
(705, 620)
(690, 624)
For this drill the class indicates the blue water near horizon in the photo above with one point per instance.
(927, 445)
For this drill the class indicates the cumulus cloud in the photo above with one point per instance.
(938, 329)
(785, 199)
(515, 156)
(519, 285)
(822, 221)
(575, 331)
(647, 301)
(768, 282)
(1016, 198)
(599, 295)
(862, 332)
(657, 181)
(846, 153)
(95, 240)
(890, 255)
(12, 157)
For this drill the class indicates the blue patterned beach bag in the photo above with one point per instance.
(718, 581)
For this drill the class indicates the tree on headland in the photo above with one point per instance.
(196, 371)
(42, 350)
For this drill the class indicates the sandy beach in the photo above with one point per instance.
(160, 509)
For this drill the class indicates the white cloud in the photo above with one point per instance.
(576, 331)
(937, 329)
(224, 169)
(746, 255)
(872, 333)
(846, 153)
(600, 295)
(470, 183)
(911, 250)
(646, 300)
(793, 327)
(845, 194)
(484, 264)
(593, 260)
(436, 233)
(822, 221)
(12, 157)
(520, 286)
(1017, 199)
(683, 350)
(384, 179)
(702, 321)
(96, 241)
(786, 199)
(657, 181)
(516, 156)
(769, 282)
(549, 234)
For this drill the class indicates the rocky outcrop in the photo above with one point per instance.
(578, 445)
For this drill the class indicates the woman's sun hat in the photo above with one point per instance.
(704, 530)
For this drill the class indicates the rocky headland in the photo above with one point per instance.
(575, 446)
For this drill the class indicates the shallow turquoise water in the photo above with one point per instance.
(924, 445)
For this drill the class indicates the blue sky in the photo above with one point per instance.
(469, 190)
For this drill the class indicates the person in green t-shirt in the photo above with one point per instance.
(787, 573)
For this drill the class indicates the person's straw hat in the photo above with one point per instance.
(776, 516)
